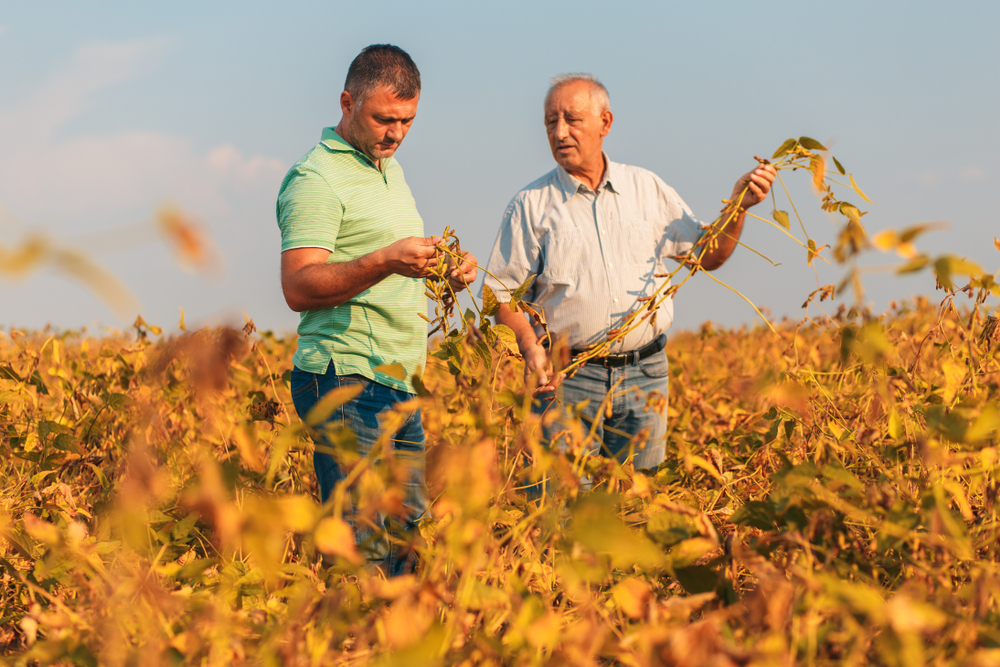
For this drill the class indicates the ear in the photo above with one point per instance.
(607, 118)
(347, 105)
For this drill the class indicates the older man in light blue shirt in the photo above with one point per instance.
(596, 233)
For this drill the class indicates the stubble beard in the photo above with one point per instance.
(365, 144)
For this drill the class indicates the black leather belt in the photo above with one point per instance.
(626, 358)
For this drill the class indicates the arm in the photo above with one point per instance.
(759, 181)
(536, 357)
(309, 283)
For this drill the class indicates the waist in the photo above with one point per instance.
(626, 358)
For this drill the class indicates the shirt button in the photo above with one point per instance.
(603, 232)
(616, 300)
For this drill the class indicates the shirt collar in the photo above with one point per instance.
(335, 142)
(571, 185)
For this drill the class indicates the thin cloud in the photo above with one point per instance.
(97, 174)
(87, 184)
(69, 92)
(3, 29)
(974, 174)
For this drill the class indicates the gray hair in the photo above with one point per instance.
(598, 93)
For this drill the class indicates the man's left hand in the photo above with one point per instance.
(759, 181)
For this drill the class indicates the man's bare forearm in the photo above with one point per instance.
(317, 286)
(724, 243)
(525, 333)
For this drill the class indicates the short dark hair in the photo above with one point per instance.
(382, 65)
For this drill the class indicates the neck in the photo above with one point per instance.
(342, 130)
(590, 174)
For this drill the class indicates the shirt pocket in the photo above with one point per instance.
(565, 255)
(641, 242)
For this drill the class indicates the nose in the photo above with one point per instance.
(395, 132)
(562, 129)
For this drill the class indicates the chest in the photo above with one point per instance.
(377, 212)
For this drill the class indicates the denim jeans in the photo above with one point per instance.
(593, 382)
(378, 543)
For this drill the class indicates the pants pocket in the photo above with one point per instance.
(655, 367)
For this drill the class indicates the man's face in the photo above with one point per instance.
(377, 128)
(575, 128)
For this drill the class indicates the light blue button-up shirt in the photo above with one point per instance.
(594, 253)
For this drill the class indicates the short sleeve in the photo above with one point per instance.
(516, 253)
(309, 212)
(683, 230)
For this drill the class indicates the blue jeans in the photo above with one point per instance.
(379, 540)
(628, 415)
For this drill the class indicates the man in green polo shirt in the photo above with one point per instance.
(353, 261)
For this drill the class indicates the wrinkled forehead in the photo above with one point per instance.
(574, 96)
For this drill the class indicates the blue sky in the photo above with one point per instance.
(109, 110)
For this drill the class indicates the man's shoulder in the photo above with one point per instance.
(544, 182)
(640, 178)
(633, 172)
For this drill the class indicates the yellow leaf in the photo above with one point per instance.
(818, 165)
(632, 597)
(393, 370)
(298, 512)
(334, 537)
(885, 240)
(835, 430)
(858, 190)
(954, 375)
(907, 250)
(325, 406)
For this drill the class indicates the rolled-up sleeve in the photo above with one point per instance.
(516, 253)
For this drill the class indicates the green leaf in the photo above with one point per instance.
(839, 166)
(65, 442)
(505, 335)
(947, 265)
(490, 303)
(518, 294)
(697, 579)
(858, 190)
(783, 148)
(183, 527)
(393, 370)
(597, 527)
(8, 397)
(483, 350)
(8, 373)
(836, 471)
(669, 528)
(914, 264)
(755, 514)
(851, 211)
(781, 217)
(811, 144)
(418, 384)
(116, 401)
(36, 379)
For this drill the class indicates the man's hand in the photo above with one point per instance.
(411, 257)
(759, 180)
(463, 271)
(538, 366)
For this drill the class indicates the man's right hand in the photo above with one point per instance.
(412, 257)
(538, 366)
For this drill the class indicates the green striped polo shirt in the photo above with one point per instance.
(335, 198)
